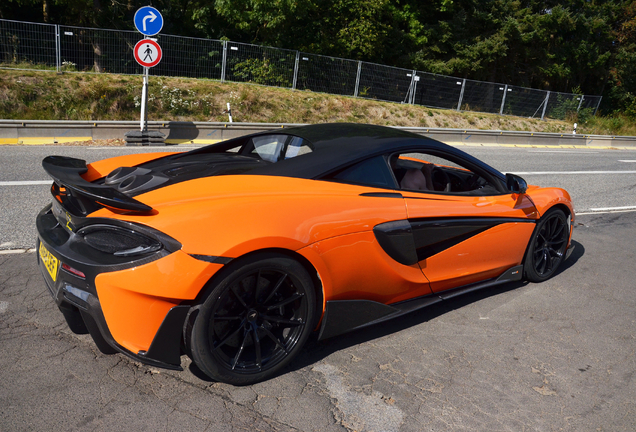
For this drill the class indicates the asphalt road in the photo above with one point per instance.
(555, 356)
(596, 179)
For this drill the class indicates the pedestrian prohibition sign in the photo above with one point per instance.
(147, 53)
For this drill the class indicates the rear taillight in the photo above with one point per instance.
(73, 271)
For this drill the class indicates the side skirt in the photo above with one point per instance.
(342, 316)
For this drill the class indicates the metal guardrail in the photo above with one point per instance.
(79, 49)
(51, 132)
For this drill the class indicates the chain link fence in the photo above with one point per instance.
(25, 45)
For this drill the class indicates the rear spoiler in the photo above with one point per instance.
(66, 172)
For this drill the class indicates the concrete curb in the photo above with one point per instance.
(16, 251)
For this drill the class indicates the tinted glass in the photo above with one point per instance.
(432, 173)
(371, 172)
(269, 147)
(297, 147)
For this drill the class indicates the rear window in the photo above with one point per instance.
(276, 147)
(269, 147)
(297, 147)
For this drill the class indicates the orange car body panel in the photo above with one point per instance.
(355, 266)
(292, 213)
(307, 216)
(429, 205)
(546, 198)
(484, 256)
(135, 301)
(328, 223)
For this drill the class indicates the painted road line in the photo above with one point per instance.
(564, 151)
(613, 208)
(194, 141)
(628, 161)
(176, 148)
(46, 140)
(26, 183)
(62, 140)
(580, 147)
(572, 172)
(605, 210)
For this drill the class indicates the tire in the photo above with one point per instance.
(255, 320)
(547, 246)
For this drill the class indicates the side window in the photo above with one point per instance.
(269, 147)
(371, 172)
(431, 173)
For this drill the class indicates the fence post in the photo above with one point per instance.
(296, 70)
(580, 102)
(503, 99)
(224, 61)
(407, 98)
(545, 104)
(416, 78)
(58, 48)
(461, 94)
(598, 104)
(355, 93)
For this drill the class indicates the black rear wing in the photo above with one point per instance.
(66, 173)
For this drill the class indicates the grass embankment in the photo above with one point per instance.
(33, 95)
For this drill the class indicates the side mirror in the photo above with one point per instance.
(516, 184)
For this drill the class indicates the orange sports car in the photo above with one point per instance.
(236, 252)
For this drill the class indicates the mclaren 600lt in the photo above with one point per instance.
(235, 252)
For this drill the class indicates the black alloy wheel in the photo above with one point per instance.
(547, 246)
(254, 321)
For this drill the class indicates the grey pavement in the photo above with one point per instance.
(555, 356)
(613, 185)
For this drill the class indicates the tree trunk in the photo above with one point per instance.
(97, 53)
(97, 50)
(45, 11)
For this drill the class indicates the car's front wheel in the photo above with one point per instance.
(255, 320)
(547, 246)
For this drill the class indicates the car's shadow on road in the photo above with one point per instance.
(315, 350)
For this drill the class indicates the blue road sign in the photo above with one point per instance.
(148, 21)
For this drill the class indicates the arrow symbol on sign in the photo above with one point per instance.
(151, 16)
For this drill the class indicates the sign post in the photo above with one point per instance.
(147, 53)
(143, 120)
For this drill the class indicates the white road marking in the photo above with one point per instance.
(605, 210)
(159, 149)
(572, 172)
(628, 161)
(26, 183)
(562, 151)
(613, 208)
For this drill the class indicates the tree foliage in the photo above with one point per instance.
(552, 45)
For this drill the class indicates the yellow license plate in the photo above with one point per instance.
(50, 262)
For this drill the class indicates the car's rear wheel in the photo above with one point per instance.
(255, 320)
(547, 246)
